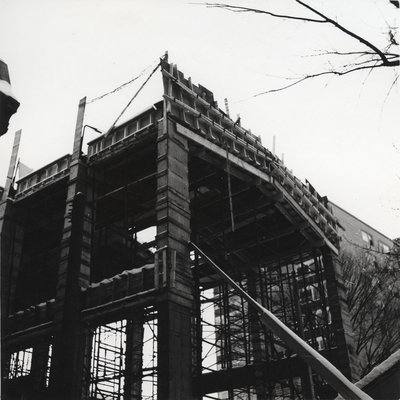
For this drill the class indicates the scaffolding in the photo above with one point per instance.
(116, 344)
(296, 345)
(20, 363)
(229, 339)
(127, 309)
(108, 361)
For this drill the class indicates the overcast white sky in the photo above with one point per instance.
(339, 133)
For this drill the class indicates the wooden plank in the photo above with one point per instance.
(261, 152)
(123, 305)
(12, 164)
(77, 148)
(240, 377)
(30, 335)
(252, 138)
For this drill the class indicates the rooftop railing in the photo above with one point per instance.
(43, 176)
(130, 129)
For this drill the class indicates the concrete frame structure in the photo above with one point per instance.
(71, 260)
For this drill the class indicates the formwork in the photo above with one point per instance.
(103, 298)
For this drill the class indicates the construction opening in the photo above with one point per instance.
(112, 257)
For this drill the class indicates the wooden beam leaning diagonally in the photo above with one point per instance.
(314, 359)
(12, 164)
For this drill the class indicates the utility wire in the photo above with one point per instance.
(120, 87)
(133, 98)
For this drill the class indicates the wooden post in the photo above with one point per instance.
(12, 164)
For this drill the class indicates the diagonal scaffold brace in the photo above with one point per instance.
(314, 359)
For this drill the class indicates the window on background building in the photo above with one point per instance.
(320, 343)
(367, 239)
(372, 261)
(383, 248)
(20, 363)
(328, 315)
(319, 317)
(48, 365)
(315, 293)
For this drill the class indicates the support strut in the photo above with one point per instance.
(314, 359)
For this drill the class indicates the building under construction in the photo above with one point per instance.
(106, 289)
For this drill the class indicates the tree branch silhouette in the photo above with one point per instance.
(376, 57)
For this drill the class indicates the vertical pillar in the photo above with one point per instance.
(67, 375)
(134, 358)
(11, 236)
(257, 338)
(306, 378)
(346, 359)
(39, 367)
(197, 329)
(8, 231)
(69, 340)
(173, 234)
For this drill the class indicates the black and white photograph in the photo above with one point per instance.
(200, 200)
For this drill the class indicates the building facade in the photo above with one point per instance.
(357, 235)
(91, 310)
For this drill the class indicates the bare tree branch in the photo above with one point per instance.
(332, 72)
(390, 89)
(350, 53)
(373, 291)
(240, 9)
(385, 61)
(385, 58)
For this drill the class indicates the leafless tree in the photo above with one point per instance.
(373, 286)
(369, 58)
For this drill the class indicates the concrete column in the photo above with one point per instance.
(39, 367)
(173, 234)
(174, 352)
(70, 341)
(11, 237)
(134, 358)
(346, 358)
(257, 338)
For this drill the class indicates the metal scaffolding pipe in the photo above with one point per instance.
(314, 359)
